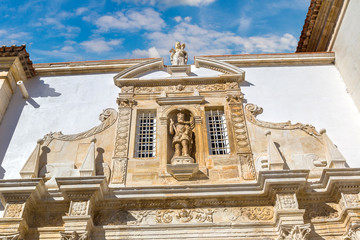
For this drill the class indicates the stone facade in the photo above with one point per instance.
(123, 179)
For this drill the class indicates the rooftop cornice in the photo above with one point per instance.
(277, 59)
(22, 54)
(320, 25)
(86, 67)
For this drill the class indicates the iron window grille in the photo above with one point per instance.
(217, 132)
(145, 146)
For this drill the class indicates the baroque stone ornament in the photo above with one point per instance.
(178, 55)
(182, 141)
(251, 111)
(184, 216)
(13, 210)
(107, 118)
(286, 201)
(74, 235)
(78, 208)
(125, 102)
(295, 232)
(351, 233)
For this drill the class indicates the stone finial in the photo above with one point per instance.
(178, 55)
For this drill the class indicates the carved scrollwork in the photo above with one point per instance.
(74, 235)
(251, 111)
(184, 215)
(107, 117)
(125, 102)
(235, 98)
(295, 232)
(249, 214)
(351, 232)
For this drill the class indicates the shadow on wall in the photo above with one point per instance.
(36, 88)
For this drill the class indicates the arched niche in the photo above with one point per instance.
(179, 132)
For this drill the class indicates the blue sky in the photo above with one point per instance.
(68, 30)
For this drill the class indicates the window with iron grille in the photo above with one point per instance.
(217, 132)
(145, 146)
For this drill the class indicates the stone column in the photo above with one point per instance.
(120, 158)
(82, 193)
(289, 218)
(240, 134)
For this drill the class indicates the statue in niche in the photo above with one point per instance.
(178, 55)
(182, 141)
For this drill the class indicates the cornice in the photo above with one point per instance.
(86, 67)
(278, 59)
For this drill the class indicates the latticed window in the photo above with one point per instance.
(145, 134)
(217, 132)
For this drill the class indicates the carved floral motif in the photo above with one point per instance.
(78, 208)
(286, 201)
(235, 98)
(74, 236)
(295, 232)
(184, 215)
(125, 102)
(13, 210)
(249, 213)
(351, 200)
(251, 111)
(351, 232)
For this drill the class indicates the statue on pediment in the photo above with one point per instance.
(178, 55)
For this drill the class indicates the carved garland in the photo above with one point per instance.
(251, 111)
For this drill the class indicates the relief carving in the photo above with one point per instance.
(78, 208)
(119, 170)
(121, 217)
(351, 200)
(13, 210)
(320, 211)
(351, 233)
(74, 236)
(297, 232)
(125, 102)
(122, 133)
(286, 201)
(249, 213)
(127, 89)
(234, 98)
(184, 216)
(251, 111)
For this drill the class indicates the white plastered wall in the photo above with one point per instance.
(71, 104)
(347, 49)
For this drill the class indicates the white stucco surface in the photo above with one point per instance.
(347, 49)
(71, 104)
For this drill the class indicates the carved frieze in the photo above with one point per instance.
(295, 232)
(74, 235)
(320, 211)
(247, 167)
(122, 133)
(286, 201)
(251, 111)
(181, 216)
(119, 170)
(184, 88)
(125, 102)
(352, 232)
(13, 210)
(78, 208)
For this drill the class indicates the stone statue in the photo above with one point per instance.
(178, 55)
(183, 138)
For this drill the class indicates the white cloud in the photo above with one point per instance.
(81, 10)
(68, 49)
(132, 20)
(12, 36)
(100, 45)
(244, 23)
(178, 19)
(169, 3)
(201, 41)
(187, 19)
(150, 53)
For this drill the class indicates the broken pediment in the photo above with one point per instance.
(278, 146)
(79, 155)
